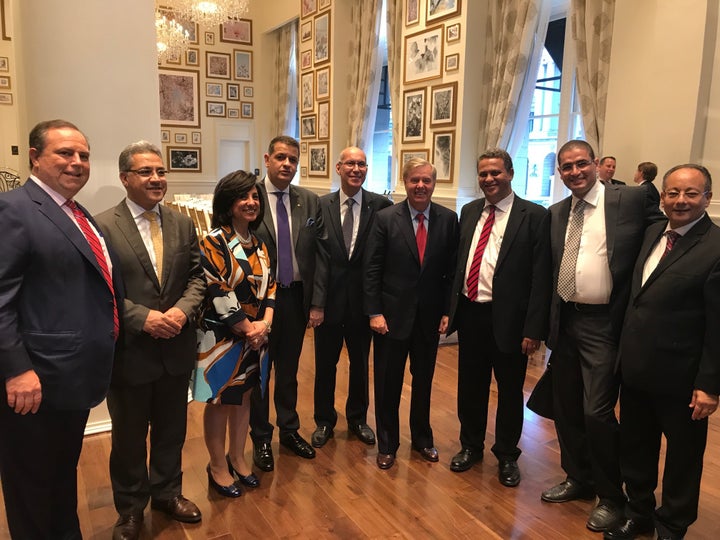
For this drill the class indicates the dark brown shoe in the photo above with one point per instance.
(428, 454)
(385, 461)
(128, 527)
(179, 509)
(465, 459)
(363, 432)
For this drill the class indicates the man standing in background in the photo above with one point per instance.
(606, 171)
(644, 176)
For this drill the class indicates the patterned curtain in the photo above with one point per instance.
(395, 24)
(364, 73)
(514, 32)
(285, 80)
(592, 25)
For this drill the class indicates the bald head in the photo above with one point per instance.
(352, 168)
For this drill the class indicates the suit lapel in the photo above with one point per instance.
(612, 212)
(268, 225)
(127, 226)
(335, 219)
(296, 212)
(406, 229)
(467, 250)
(518, 212)
(171, 239)
(366, 210)
(559, 222)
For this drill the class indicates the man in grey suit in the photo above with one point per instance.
(293, 232)
(160, 264)
(595, 237)
(670, 359)
(500, 306)
(58, 324)
(348, 215)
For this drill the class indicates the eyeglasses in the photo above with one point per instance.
(147, 172)
(568, 167)
(689, 195)
(352, 164)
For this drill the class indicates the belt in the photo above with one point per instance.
(588, 308)
(291, 285)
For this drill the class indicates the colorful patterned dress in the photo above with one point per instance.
(239, 286)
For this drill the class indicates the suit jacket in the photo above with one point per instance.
(521, 282)
(56, 313)
(141, 358)
(339, 280)
(396, 285)
(652, 192)
(308, 235)
(628, 212)
(669, 342)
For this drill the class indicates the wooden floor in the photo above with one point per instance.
(342, 493)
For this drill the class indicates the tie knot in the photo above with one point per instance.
(350, 202)
(150, 216)
(491, 208)
(579, 206)
(672, 235)
(420, 218)
(279, 195)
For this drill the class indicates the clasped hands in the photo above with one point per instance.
(164, 325)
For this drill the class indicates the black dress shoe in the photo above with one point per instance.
(179, 509)
(465, 459)
(508, 472)
(428, 454)
(263, 456)
(321, 435)
(627, 529)
(298, 445)
(363, 432)
(569, 490)
(250, 480)
(226, 491)
(128, 527)
(604, 516)
(385, 461)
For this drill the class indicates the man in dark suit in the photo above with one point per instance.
(670, 359)
(593, 253)
(293, 232)
(410, 262)
(164, 284)
(500, 305)
(606, 171)
(644, 176)
(58, 325)
(348, 215)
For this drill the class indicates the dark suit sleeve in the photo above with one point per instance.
(708, 377)
(192, 297)
(375, 265)
(452, 253)
(322, 255)
(538, 312)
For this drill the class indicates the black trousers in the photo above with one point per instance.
(39, 454)
(390, 356)
(160, 405)
(329, 338)
(285, 346)
(644, 418)
(478, 358)
(585, 386)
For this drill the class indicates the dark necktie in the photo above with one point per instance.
(421, 236)
(97, 250)
(284, 245)
(566, 278)
(672, 236)
(474, 273)
(347, 225)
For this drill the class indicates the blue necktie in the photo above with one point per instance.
(284, 246)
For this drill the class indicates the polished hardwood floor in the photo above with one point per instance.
(342, 493)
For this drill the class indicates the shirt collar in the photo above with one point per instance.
(357, 197)
(136, 210)
(414, 213)
(682, 231)
(504, 204)
(592, 197)
(54, 195)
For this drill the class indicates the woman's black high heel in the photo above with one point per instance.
(250, 480)
(232, 490)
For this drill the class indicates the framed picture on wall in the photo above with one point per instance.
(323, 83)
(184, 159)
(247, 91)
(306, 31)
(5, 83)
(443, 103)
(209, 38)
(423, 55)
(215, 108)
(437, 10)
(196, 137)
(452, 32)
(243, 65)
(323, 126)
(233, 113)
(6, 98)
(237, 31)
(407, 155)
(214, 90)
(303, 148)
(443, 145)
(303, 171)
(233, 91)
(318, 159)
(324, 4)
(187, 24)
(308, 7)
(217, 65)
(305, 60)
(307, 82)
(452, 62)
(247, 109)
(165, 135)
(4, 63)
(308, 126)
(192, 57)
(412, 12)
(413, 129)
(181, 138)
(179, 101)
(322, 38)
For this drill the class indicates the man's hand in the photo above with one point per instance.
(702, 404)
(529, 346)
(317, 316)
(177, 315)
(378, 324)
(443, 324)
(161, 326)
(24, 392)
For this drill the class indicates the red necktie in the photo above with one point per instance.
(670, 242)
(474, 273)
(97, 250)
(421, 236)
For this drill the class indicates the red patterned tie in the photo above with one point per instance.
(474, 273)
(670, 242)
(97, 250)
(421, 236)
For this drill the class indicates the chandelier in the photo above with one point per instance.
(212, 12)
(171, 37)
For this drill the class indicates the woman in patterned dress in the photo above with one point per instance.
(235, 323)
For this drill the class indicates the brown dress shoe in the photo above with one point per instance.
(385, 461)
(179, 509)
(428, 454)
(128, 527)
